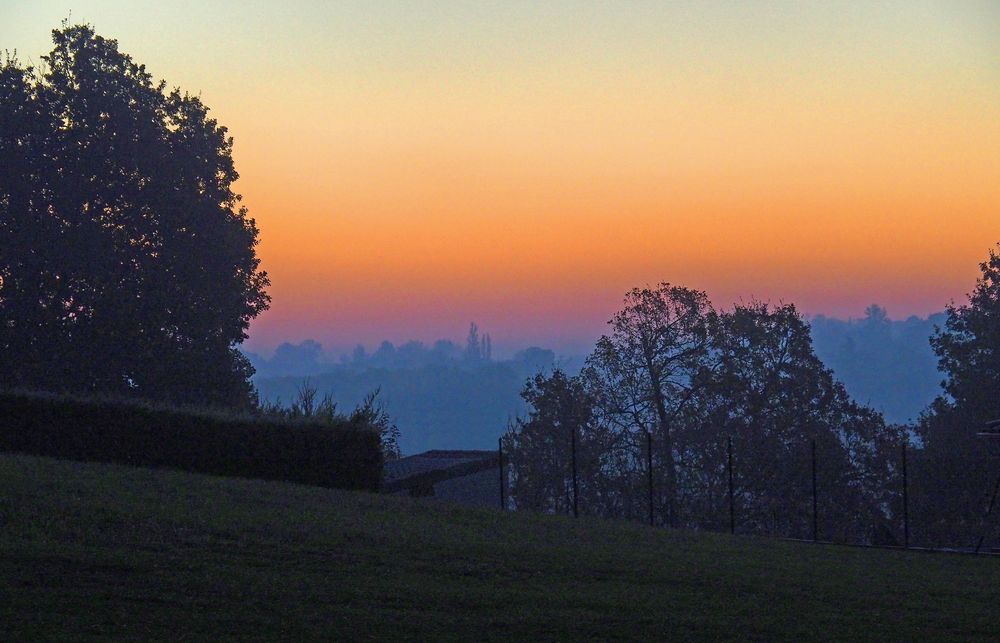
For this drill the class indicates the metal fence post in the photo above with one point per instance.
(815, 514)
(649, 473)
(989, 512)
(503, 503)
(906, 502)
(576, 489)
(732, 508)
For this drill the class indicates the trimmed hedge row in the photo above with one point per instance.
(343, 455)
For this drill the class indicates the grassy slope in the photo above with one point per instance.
(116, 551)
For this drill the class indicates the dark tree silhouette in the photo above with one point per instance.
(691, 378)
(645, 368)
(956, 467)
(473, 344)
(127, 264)
(561, 411)
(774, 397)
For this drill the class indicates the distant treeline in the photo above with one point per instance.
(440, 395)
(434, 406)
(888, 364)
(309, 358)
(446, 395)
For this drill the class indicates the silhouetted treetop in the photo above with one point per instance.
(127, 263)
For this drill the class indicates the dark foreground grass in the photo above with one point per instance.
(116, 552)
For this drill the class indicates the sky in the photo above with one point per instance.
(414, 166)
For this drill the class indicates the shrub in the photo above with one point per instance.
(344, 454)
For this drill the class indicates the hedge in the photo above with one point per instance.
(342, 455)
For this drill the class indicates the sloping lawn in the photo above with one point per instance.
(115, 552)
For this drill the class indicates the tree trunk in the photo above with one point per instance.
(670, 486)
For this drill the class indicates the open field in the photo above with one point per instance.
(113, 551)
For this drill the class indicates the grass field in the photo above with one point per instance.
(109, 551)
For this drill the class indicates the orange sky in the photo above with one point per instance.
(414, 168)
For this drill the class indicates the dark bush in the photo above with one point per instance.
(344, 454)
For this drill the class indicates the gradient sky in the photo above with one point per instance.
(415, 166)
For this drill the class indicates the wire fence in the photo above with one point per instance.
(802, 494)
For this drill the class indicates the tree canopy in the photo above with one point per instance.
(127, 264)
(673, 381)
(957, 467)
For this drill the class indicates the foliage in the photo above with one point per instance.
(956, 467)
(693, 378)
(372, 413)
(369, 413)
(644, 371)
(337, 452)
(561, 411)
(775, 398)
(128, 265)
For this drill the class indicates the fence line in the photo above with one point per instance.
(754, 516)
(906, 501)
(649, 473)
(503, 476)
(989, 512)
(815, 510)
(576, 488)
(729, 468)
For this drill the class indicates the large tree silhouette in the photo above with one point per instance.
(673, 383)
(773, 397)
(127, 265)
(957, 467)
(645, 368)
